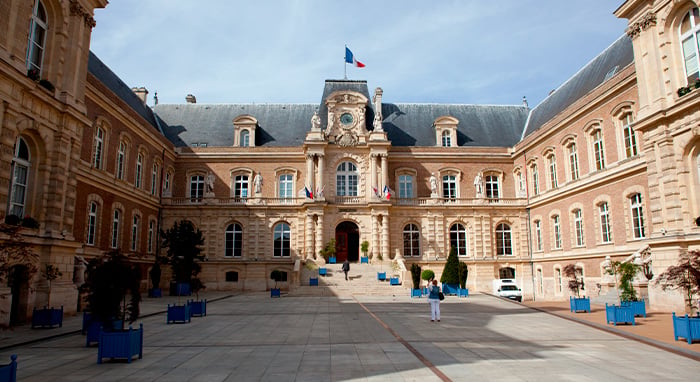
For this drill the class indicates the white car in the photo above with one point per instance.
(510, 291)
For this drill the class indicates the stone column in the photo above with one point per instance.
(319, 236)
(309, 242)
(385, 236)
(310, 172)
(385, 174)
(373, 237)
(319, 177)
(373, 173)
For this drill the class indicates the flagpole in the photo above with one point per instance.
(345, 63)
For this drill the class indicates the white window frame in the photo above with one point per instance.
(573, 161)
(135, 227)
(233, 245)
(411, 240)
(492, 185)
(21, 173)
(690, 39)
(154, 179)
(286, 185)
(637, 215)
(99, 142)
(552, 159)
(578, 227)
(535, 179)
(121, 160)
(92, 224)
(446, 138)
(151, 235)
(284, 233)
(598, 148)
(346, 179)
(241, 186)
(538, 235)
(459, 239)
(504, 240)
(244, 138)
(36, 46)
(629, 136)
(605, 228)
(196, 187)
(449, 186)
(116, 222)
(138, 177)
(406, 186)
(556, 228)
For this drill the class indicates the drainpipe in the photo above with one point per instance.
(529, 228)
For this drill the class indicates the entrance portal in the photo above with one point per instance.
(347, 242)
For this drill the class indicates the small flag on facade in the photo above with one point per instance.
(309, 194)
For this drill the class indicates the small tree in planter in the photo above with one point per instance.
(575, 285)
(112, 280)
(463, 274)
(183, 242)
(626, 272)
(155, 274)
(415, 277)
(427, 275)
(50, 273)
(450, 273)
(685, 275)
(364, 247)
(277, 276)
(329, 250)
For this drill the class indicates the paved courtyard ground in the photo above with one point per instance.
(251, 337)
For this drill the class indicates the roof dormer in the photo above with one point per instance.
(446, 131)
(244, 127)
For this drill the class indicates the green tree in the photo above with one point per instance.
(575, 283)
(183, 242)
(415, 275)
(427, 275)
(364, 247)
(463, 274)
(450, 273)
(112, 279)
(685, 275)
(329, 250)
(626, 273)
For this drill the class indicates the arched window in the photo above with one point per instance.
(234, 241)
(281, 240)
(245, 138)
(139, 170)
(628, 135)
(556, 227)
(91, 224)
(637, 210)
(411, 240)
(99, 147)
(446, 139)
(598, 149)
(154, 179)
(458, 239)
(346, 179)
(573, 161)
(151, 235)
(538, 235)
(690, 35)
(552, 159)
(37, 40)
(135, 227)
(116, 222)
(605, 231)
(535, 179)
(578, 227)
(20, 179)
(504, 245)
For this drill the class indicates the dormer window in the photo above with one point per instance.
(446, 131)
(244, 127)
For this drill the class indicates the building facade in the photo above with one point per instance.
(606, 168)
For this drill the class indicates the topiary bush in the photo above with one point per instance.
(450, 273)
(415, 275)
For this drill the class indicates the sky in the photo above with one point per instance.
(273, 51)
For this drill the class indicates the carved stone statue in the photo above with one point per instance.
(433, 184)
(210, 182)
(377, 121)
(257, 183)
(79, 269)
(478, 184)
(315, 121)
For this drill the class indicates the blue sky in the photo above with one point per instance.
(269, 51)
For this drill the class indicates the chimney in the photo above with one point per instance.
(142, 93)
(191, 99)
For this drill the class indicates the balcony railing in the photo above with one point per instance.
(344, 200)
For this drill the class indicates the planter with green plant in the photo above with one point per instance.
(48, 316)
(328, 251)
(685, 277)
(450, 274)
(415, 277)
(428, 275)
(624, 273)
(183, 242)
(197, 307)
(275, 275)
(577, 303)
(364, 247)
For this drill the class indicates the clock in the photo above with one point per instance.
(346, 119)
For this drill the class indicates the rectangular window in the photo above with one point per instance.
(573, 162)
(405, 186)
(538, 235)
(557, 231)
(151, 232)
(154, 180)
(19, 189)
(139, 169)
(535, 180)
(637, 216)
(629, 136)
(578, 227)
(604, 223)
(557, 275)
(196, 188)
(135, 233)
(552, 171)
(99, 140)
(115, 229)
(166, 182)
(286, 186)
(240, 188)
(121, 155)
(449, 187)
(492, 191)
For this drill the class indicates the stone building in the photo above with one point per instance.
(607, 167)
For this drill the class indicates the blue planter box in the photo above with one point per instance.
(686, 327)
(179, 313)
(121, 344)
(364, 260)
(425, 291)
(451, 289)
(322, 271)
(394, 281)
(638, 307)
(416, 293)
(313, 281)
(47, 317)
(580, 304)
(155, 292)
(463, 292)
(381, 276)
(91, 328)
(9, 372)
(619, 314)
(197, 308)
(331, 260)
(275, 292)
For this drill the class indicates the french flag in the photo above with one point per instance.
(387, 192)
(309, 194)
(350, 59)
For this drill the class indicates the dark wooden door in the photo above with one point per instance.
(341, 246)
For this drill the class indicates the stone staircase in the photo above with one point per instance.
(362, 280)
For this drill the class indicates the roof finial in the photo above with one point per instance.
(155, 98)
(525, 102)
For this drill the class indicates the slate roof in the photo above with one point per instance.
(619, 54)
(287, 124)
(103, 73)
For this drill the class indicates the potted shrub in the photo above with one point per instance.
(277, 276)
(328, 252)
(114, 297)
(48, 316)
(463, 274)
(684, 276)
(415, 277)
(183, 242)
(155, 274)
(197, 307)
(364, 247)
(575, 275)
(450, 274)
(625, 290)
(427, 275)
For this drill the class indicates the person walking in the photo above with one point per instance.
(434, 300)
(346, 268)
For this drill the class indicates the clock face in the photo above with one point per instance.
(346, 119)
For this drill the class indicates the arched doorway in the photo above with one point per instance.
(506, 273)
(18, 281)
(347, 241)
